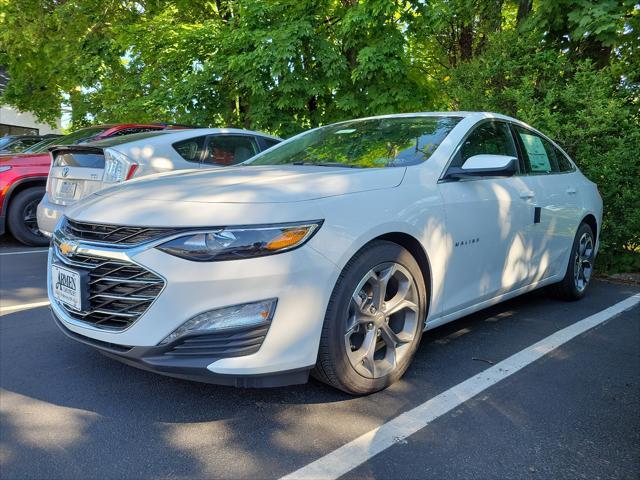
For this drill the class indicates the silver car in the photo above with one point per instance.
(79, 170)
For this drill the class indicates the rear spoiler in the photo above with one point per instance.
(74, 148)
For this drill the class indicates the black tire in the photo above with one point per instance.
(569, 288)
(333, 366)
(21, 217)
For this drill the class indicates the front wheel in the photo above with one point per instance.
(575, 282)
(374, 320)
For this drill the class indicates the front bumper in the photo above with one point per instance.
(48, 215)
(159, 360)
(301, 280)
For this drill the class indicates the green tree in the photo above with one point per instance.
(569, 67)
(590, 111)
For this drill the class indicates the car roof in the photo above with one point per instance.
(175, 135)
(459, 114)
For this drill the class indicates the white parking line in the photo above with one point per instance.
(24, 252)
(366, 446)
(24, 306)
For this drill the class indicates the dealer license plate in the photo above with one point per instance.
(66, 286)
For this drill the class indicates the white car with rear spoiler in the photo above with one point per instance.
(80, 170)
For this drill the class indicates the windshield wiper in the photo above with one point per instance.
(326, 164)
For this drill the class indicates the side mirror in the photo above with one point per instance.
(485, 166)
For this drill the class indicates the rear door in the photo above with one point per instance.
(75, 173)
(554, 176)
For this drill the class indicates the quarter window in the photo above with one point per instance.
(564, 164)
(191, 149)
(226, 150)
(269, 142)
(489, 138)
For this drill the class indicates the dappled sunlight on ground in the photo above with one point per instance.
(42, 425)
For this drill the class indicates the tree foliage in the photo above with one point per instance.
(569, 67)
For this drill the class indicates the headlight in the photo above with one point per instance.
(4, 168)
(117, 167)
(236, 316)
(234, 243)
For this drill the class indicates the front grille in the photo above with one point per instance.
(220, 344)
(112, 234)
(119, 291)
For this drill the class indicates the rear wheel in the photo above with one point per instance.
(575, 282)
(21, 217)
(374, 320)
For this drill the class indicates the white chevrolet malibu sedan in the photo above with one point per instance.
(329, 253)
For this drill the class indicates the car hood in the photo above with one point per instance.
(25, 159)
(251, 185)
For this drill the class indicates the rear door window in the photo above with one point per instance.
(224, 150)
(541, 157)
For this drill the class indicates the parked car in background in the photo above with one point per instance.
(79, 170)
(330, 252)
(23, 178)
(10, 144)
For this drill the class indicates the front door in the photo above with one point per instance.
(492, 251)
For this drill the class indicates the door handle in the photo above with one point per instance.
(571, 191)
(527, 195)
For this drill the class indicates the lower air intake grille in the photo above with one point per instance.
(236, 343)
(119, 291)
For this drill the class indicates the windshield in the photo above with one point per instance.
(80, 136)
(41, 146)
(5, 141)
(373, 143)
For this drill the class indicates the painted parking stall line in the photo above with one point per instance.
(25, 252)
(363, 448)
(24, 306)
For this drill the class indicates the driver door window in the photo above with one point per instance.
(493, 138)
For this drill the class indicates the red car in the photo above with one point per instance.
(23, 178)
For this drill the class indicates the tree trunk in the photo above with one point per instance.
(465, 42)
(524, 8)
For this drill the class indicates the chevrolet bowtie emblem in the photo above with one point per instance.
(68, 248)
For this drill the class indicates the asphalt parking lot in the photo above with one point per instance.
(69, 412)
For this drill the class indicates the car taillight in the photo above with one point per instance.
(132, 171)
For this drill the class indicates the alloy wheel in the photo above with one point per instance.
(30, 217)
(382, 320)
(583, 262)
